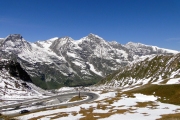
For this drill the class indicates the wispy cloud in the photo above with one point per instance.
(174, 39)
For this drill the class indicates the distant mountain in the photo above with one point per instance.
(156, 69)
(142, 50)
(66, 62)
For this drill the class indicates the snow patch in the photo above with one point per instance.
(94, 70)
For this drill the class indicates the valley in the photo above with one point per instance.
(113, 102)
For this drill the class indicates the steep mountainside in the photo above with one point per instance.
(14, 81)
(157, 69)
(66, 62)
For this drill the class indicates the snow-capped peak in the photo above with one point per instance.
(129, 44)
(14, 37)
(138, 47)
(46, 43)
(93, 35)
(113, 42)
(63, 40)
(53, 39)
(15, 43)
(1, 39)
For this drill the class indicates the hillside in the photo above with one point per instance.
(15, 83)
(156, 69)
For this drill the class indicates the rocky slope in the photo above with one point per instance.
(14, 81)
(156, 69)
(66, 62)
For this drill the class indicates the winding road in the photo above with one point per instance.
(91, 97)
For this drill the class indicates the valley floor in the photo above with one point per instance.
(111, 104)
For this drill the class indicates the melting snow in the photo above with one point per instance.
(71, 54)
(135, 113)
(94, 70)
(174, 81)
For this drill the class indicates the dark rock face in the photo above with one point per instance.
(14, 37)
(15, 70)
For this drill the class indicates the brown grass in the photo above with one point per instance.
(104, 91)
(89, 115)
(77, 98)
(164, 81)
(3, 117)
(167, 93)
(100, 106)
(145, 104)
(170, 117)
(63, 114)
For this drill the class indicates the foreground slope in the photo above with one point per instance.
(111, 104)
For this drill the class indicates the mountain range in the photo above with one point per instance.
(63, 61)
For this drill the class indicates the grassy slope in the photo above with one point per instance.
(165, 93)
(159, 67)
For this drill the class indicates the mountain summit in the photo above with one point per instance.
(66, 62)
(14, 44)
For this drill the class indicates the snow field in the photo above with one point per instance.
(110, 106)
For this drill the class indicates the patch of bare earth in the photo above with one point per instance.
(90, 115)
(77, 98)
(170, 117)
(62, 114)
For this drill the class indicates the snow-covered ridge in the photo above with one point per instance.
(82, 60)
(131, 45)
(46, 44)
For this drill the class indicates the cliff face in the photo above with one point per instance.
(15, 70)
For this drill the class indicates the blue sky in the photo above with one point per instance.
(152, 22)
